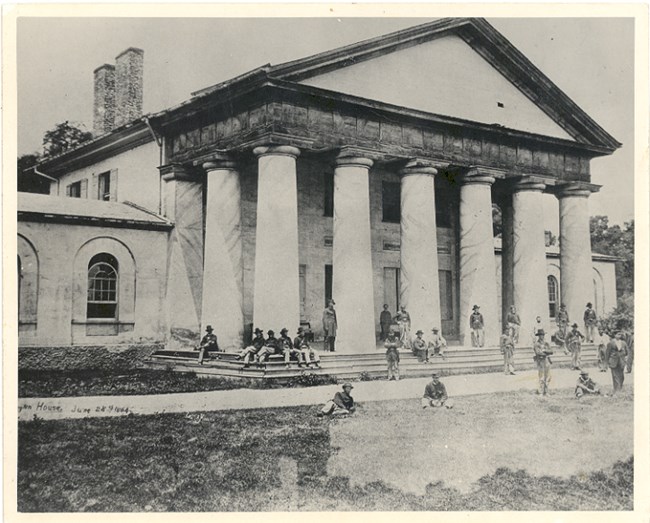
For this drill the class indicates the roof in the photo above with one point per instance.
(47, 208)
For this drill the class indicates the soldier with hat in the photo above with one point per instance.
(507, 345)
(271, 346)
(392, 356)
(438, 344)
(562, 320)
(342, 403)
(419, 347)
(208, 343)
(586, 385)
(330, 326)
(435, 394)
(403, 319)
(301, 343)
(591, 322)
(574, 339)
(477, 325)
(288, 350)
(253, 348)
(542, 359)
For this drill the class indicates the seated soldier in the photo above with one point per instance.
(437, 343)
(255, 346)
(435, 394)
(308, 352)
(271, 346)
(342, 403)
(208, 344)
(586, 385)
(286, 346)
(419, 347)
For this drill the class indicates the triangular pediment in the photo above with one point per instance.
(444, 76)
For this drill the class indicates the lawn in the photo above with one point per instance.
(509, 451)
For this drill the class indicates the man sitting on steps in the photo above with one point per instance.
(253, 348)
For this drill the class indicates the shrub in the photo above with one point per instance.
(622, 317)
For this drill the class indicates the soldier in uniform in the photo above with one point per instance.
(514, 323)
(253, 348)
(586, 385)
(392, 356)
(403, 319)
(508, 350)
(419, 347)
(616, 353)
(329, 326)
(591, 321)
(208, 344)
(287, 348)
(543, 360)
(301, 343)
(435, 394)
(438, 344)
(271, 346)
(601, 342)
(537, 326)
(562, 320)
(385, 321)
(574, 341)
(342, 403)
(476, 323)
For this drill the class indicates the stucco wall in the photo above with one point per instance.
(138, 178)
(63, 253)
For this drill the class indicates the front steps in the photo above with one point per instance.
(459, 360)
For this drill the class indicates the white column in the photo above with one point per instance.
(276, 289)
(419, 286)
(352, 286)
(529, 255)
(222, 265)
(576, 280)
(477, 264)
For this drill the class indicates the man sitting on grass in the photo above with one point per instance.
(586, 385)
(342, 403)
(435, 394)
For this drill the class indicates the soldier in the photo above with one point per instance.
(438, 344)
(330, 326)
(286, 346)
(615, 354)
(208, 344)
(403, 319)
(586, 385)
(301, 343)
(574, 341)
(543, 360)
(508, 350)
(271, 346)
(562, 320)
(419, 347)
(435, 394)
(392, 357)
(514, 323)
(601, 342)
(539, 325)
(342, 403)
(385, 321)
(591, 321)
(253, 348)
(476, 323)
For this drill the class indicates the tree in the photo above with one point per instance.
(618, 242)
(63, 137)
(28, 180)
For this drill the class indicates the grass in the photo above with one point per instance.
(102, 382)
(388, 456)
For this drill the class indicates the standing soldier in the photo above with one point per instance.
(508, 351)
(253, 348)
(586, 385)
(476, 324)
(562, 320)
(601, 342)
(543, 360)
(574, 341)
(208, 344)
(329, 326)
(419, 347)
(435, 394)
(385, 321)
(286, 345)
(514, 323)
(615, 353)
(403, 319)
(392, 357)
(539, 325)
(591, 321)
(438, 344)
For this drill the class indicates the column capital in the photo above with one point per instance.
(354, 161)
(576, 189)
(419, 166)
(481, 175)
(277, 150)
(175, 171)
(528, 183)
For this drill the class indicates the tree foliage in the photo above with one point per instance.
(619, 242)
(63, 137)
(28, 180)
(621, 318)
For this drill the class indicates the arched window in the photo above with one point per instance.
(552, 296)
(102, 287)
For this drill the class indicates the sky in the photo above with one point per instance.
(590, 59)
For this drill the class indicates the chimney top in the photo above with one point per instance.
(105, 66)
(130, 49)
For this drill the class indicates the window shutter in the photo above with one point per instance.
(94, 189)
(84, 188)
(68, 189)
(113, 183)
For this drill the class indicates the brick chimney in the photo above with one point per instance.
(104, 105)
(128, 85)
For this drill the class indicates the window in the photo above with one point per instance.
(104, 182)
(446, 296)
(443, 209)
(328, 194)
(552, 296)
(74, 190)
(102, 287)
(392, 288)
(328, 284)
(390, 195)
